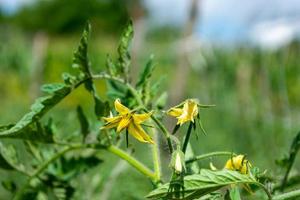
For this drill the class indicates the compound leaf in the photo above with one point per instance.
(205, 182)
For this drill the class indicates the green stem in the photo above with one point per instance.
(187, 138)
(265, 189)
(155, 156)
(208, 155)
(132, 161)
(109, 77)
(164, 131)
(288, 195)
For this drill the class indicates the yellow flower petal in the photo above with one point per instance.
(110, 125)
(189, 112)
(238, 163)
(140, 118)
(137, 131)
(124, 122)
(112, 119)
(175, 112)
(121, 108)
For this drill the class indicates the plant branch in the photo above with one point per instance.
(132, 161)
(208, 155)
(288, 195)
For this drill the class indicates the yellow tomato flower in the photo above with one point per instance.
(187, 113)
(238, 163)
(128, 120)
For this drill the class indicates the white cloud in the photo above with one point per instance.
(273, 34)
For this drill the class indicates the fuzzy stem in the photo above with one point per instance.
(155, 156)
(132, 161)
(208, 155)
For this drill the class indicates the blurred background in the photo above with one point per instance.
(242, 56)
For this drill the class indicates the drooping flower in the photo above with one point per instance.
(238, 163)
(188, 112)
(129, 120)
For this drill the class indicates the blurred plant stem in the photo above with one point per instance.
(155, 155)
(288, 195)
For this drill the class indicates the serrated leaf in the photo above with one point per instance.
(27, 128)
(123, 49)
(146, 73)
(9, 158)
(52, 88)
(111, 67)
(69, 79)
(205, 182)
(81, 61)
(84, 123)
(80, 56)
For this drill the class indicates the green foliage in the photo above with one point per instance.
(206, 181)
(81, 61)
(84, 123)
(123, 49)
(56, 170)
(28, 127)
(289, 161)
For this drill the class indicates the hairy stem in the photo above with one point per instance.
(208, 155)
(132, 161)
(155, 156)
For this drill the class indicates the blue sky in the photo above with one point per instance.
(262, 21)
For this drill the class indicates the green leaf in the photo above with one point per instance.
(81, 61)
(205, 182)
(28, 127)
(9, 158)
(80, 56)
(101, 108)
(146, 73)
(68, 168)
(233, 194)
(52, 88)
(289, 161)
(9, 185)
(84, 123)
(123, 49)
(111, 67)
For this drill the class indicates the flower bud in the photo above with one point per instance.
(178, 162)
